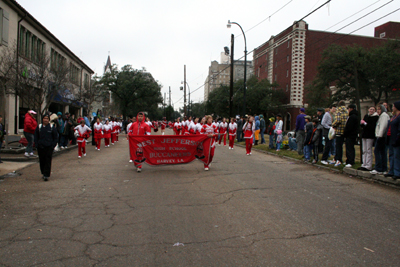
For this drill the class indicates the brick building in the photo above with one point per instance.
(291, 58)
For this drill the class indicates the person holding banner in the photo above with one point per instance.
(98, 133)
(211, 131)
(222, 131)
(107, 129)
(82, 132)
(248, 130)
(232, 132)
(140, 127)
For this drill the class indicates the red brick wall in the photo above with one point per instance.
(391, 30)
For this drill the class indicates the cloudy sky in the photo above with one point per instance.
(165, 35)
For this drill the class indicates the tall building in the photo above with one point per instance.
(219, 73)
(31, 41)
(291, 58)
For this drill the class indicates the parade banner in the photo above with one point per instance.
(169, 149)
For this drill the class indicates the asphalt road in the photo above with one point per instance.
(256, 210)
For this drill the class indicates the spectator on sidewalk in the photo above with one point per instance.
(320, 116)
(2, 134)
(307, 145)
(351, 133)
(300, 135)
(30, 125)
(393, 137)
(73, 123)
(292, 144)
(385, 104)
(326, 124)
(46, 138)
(339, 123)
(278, 125)
(271, 129)
(262, 128)
(66, 131)
(380, 142)
(257, 130)
(60, 127)
(240, 124)
(315, 137)
(368, 125)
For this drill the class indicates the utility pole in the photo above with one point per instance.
(170, 96)
(165, 110)
(231, 79)
(184, 91)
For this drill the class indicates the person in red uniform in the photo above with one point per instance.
(140, 127)
(98, 133)
(163, 125)
(211, 131)
(248, 130)
(222, 131)
(232, 132)
(177, 127)
(82, 133)
(107, 129)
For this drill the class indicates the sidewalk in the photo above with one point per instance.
(352, 172)
(21, 158)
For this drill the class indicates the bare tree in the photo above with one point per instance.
(39, 82)
(8, 58)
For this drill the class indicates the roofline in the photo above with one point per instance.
(22, 12)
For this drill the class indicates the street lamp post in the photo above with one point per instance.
(245, 64)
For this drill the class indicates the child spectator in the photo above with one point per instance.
(279, 139)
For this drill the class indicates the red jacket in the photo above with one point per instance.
(139, 128)
(30, 124)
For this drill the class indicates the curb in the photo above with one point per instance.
(365, 175)
(25, 159)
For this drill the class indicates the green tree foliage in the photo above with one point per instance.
(378, 72)
(262, 97)
(133, 90)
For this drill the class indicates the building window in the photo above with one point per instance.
(287, 73)
(275, 77)
(287, 58)
(276, 50)
(86, 81)
(288, 43)
(276, 64)
(4, 29)
(287, 88)
(382, 35)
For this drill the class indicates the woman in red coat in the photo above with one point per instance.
(248, 130)
(30, 125)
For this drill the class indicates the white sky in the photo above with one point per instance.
(164, 35)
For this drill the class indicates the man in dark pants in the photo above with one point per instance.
(239, 129)
(350, 133)
(46, 138)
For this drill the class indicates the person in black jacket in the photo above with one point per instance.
(351, 133)
(46, 138)
(368, 125)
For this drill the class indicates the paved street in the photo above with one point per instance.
(257, 210)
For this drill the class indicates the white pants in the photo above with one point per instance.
(367, 153)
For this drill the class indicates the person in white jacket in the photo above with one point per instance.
(380, 143)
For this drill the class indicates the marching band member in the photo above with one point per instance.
(163, 125)
(132, 120)
(222, 131)
(187, 125)
(177, 126)
(98, 132)
(82, 132)
(193, 126)
(140, 127)
(232, 132)
(113, 131)
(211, 130)
(248, 130)
(118, 126)
(107, 129)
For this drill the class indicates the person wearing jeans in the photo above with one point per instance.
(262, 129)
(393, 138)
(30, 125)
(351, 133)
(380, 143)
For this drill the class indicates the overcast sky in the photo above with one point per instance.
(164, 35)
